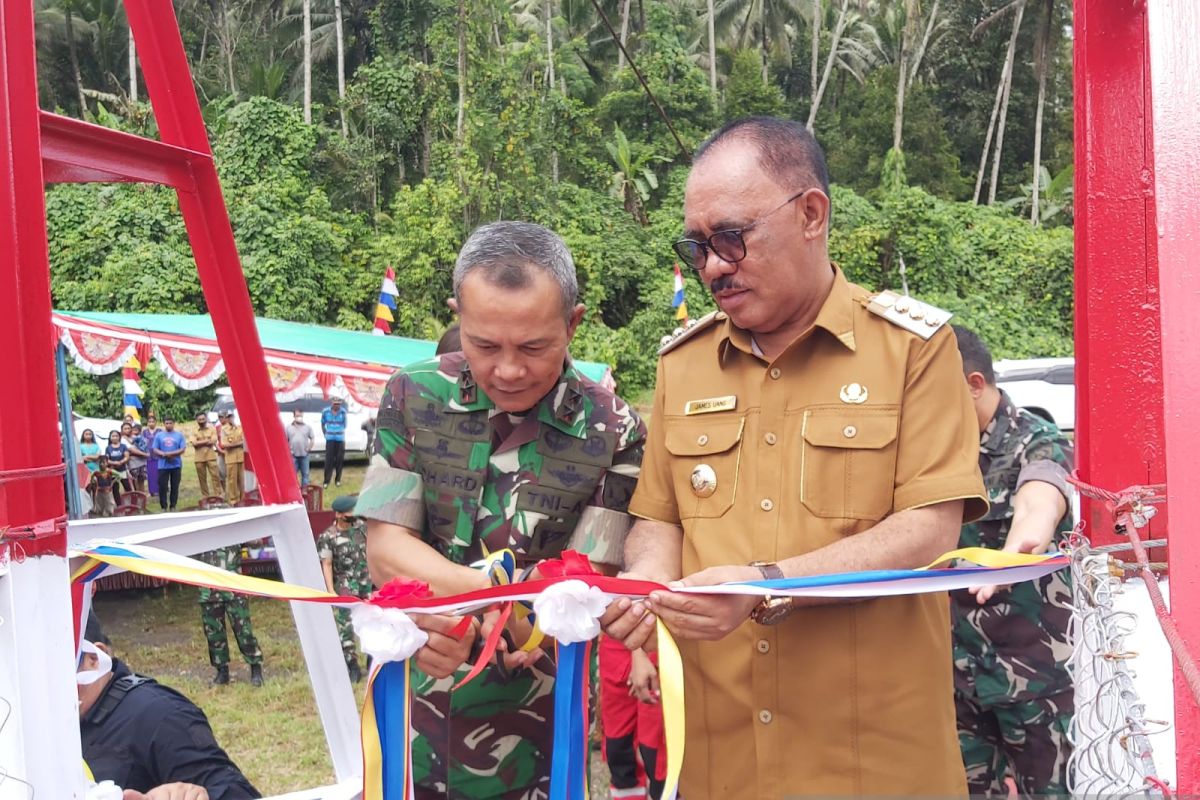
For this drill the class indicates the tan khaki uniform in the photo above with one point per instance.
(857, 420)
(234, 443)
(204, 443)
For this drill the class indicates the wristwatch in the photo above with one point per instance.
(771, 610)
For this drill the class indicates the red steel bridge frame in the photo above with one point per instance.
(1137, 151)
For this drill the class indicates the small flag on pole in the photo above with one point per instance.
(677, 302)
(133, 389)
(387, 304)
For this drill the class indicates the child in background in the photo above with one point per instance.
(632, 717)
(101, 486)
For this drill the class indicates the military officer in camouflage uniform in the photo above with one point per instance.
(214, 606)
(342, 548)
(1013, 695)
(502, 445)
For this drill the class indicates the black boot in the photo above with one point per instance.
(222, 676)
(256, 678)
(354, 670)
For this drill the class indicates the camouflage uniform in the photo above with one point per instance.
(470, 477)
(215, 604)
(1013, 695)
(348, 553)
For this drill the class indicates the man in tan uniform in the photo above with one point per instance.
(233, 442)
(204, 445)
(808, 427)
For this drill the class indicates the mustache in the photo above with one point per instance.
(724, 283)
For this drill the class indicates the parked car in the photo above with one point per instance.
(1043, 386)
(98, 426)
(312, 405)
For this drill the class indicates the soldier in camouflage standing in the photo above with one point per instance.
(214, 606)
(1013, 695)
(342, 548)
(502, 445)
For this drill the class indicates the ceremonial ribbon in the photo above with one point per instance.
(387, 712)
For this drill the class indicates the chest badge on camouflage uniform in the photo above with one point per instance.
(853, 393)
(704, 480)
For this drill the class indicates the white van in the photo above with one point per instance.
(357, 417)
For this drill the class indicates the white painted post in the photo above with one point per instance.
(39, 744)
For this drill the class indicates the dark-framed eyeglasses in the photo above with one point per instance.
(729, 244)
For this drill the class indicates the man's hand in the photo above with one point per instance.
(706, 617)
(643, 678)
(443, 654)
(1038, 507)
(630, 622)
(169, 791)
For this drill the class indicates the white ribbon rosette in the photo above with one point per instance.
(386, 634)
(570, 611)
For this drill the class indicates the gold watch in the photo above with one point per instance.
(771, 610)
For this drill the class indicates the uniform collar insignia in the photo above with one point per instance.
(468, 392)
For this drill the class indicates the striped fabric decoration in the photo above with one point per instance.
(386, 307)
(133, 388)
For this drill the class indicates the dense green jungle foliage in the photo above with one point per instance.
(458, 112)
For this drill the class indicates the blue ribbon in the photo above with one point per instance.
(568, 769)
(390, 692)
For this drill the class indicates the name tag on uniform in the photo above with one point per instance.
(708, 406)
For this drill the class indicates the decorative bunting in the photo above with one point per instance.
(189, 369)
(132, 389)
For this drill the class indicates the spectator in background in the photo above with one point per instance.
(204, 445)
(148, 433)
(103, 487)
(342, 548)
(169, 445)
(333, 425)
(233, 442)
(451, 341)
(89, 450)
(117, 455)
(138, 455)
(222, 417)
(300, 441)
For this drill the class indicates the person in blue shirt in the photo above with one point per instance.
(333, 425)
(168, 448)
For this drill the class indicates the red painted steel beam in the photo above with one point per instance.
(1173, 31)
(79, 152)
(1118, 374)
(29, 435)
(169, 85)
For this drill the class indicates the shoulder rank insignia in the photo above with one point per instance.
(681, 335)
(908, 313)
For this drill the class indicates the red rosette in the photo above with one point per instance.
(570, 563)
(397, 593)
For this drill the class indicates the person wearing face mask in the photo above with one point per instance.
(147, 738)
(503, 444)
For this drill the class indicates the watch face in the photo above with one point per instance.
(772, 610)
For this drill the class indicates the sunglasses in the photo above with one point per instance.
(729, 244)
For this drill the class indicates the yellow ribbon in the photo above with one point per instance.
(984, 557)
(670, 681)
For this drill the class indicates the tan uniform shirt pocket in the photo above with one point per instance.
(848, 461)
(705, 468)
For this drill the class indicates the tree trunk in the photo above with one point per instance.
(991, 129)
(625, 6)
(838, 29)
(1042, 63)
(1008, 75)
(460, 127)
(762, 30)
(814, 54)
(915, 66)
(306, 13)
(341, 63)
(227, 46)
(549, 6)
(75, 61)
(1037, 149)
(133, 81)
(712, 48)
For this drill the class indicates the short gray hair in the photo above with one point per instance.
(506, 251)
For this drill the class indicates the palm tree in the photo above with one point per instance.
(771, 24)
(634, 180)
(341, 64)
(1047, 34)
(912, 53)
